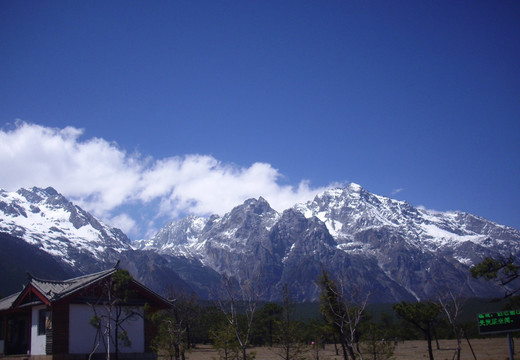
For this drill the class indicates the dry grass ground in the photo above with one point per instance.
(485, 349)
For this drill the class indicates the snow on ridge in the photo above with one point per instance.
(230, 233)
(344, 211)
(442, 237)
(304, 210)
(463, 260)
(355, 187)
(345, 214)
(199, 223)
(47, 223)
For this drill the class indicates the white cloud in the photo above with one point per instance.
(203, 185)
(436, 212)
(100, 176)
(95, 173)
(397, 191)
(124, 221)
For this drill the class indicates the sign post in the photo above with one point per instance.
(505, 321)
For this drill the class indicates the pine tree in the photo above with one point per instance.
(422, 315)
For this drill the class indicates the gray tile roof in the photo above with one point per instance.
(6, 302)
(54, 290)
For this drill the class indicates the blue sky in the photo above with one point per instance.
(147, 110)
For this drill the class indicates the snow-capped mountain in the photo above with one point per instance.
(180, 236)
(353, 210)
(46, 219)
(387, 247)
(59, 239)
(378, 245)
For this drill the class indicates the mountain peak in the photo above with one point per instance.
(387, 246)
(36, 194)
(352, 190)
(48, 220)
(48, 190)
(354, 187)
(258, 206)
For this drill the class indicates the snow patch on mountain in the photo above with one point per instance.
(44, 218)
(395, 249)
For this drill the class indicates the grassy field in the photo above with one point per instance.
(485, 349)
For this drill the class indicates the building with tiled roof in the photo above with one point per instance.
(53, 320)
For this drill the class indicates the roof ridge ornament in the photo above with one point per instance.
(116, 266)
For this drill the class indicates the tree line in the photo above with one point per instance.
(238, 320)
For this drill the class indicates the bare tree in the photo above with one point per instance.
(452, 306)
(113, 295)
(236, 297)
(344, 307)
(174, 324)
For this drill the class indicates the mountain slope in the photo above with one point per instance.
(17, 258)
(59, 239)
(47, 220)
(425, 252)
(386, 247)
(374, 244)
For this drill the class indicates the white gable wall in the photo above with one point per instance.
(37, 341)
(82, 335)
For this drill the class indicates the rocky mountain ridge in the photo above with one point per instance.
(46, 219)
(379, 245)
(59, 239)
(388, 247)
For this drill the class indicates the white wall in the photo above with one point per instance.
(37, 341)
(82, 335)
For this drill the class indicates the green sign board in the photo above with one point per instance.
(499, 322)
